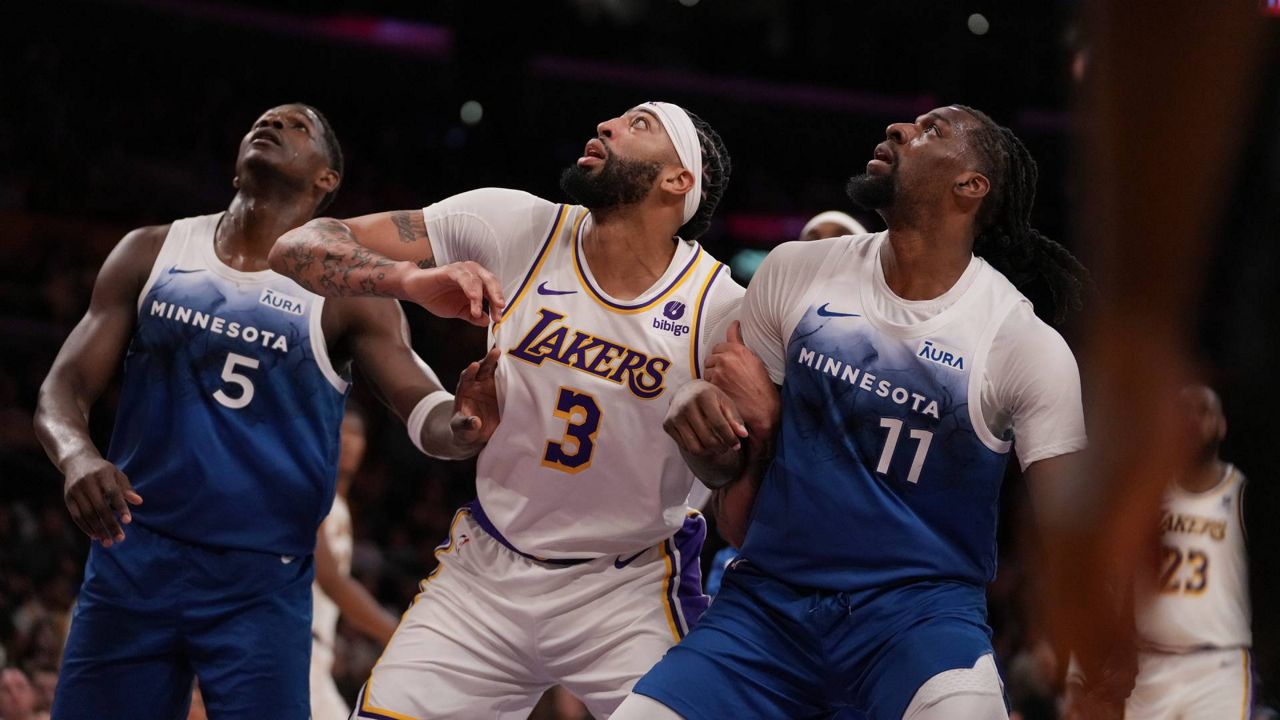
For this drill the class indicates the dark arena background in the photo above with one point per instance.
(115, 115)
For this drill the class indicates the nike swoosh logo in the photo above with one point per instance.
(620, 563)
(544, 290)
(176, 271)
(824, 312)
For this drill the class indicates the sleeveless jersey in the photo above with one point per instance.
(885, 470)
(580, 465)
(230, 409)
(337, 530)
(1202, 595)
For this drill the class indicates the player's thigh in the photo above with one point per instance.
(120, 660)
(750, 656)
(618, 621)
(462, 649)
(641, 707)
(326, 702)
(921, 665)
(250, 645)
(974, 693)
(1158, 689)
(1224, 688)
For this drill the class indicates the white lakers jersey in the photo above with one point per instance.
(580, 465)
(337, 531)
(1201, 598)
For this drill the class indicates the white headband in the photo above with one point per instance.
(685, 138)
(834, 216)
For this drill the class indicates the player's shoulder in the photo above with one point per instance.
(147, 238)
(495, 199)
(803, 258)
(1024, 333)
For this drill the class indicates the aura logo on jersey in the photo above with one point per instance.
(941, 355)
(868, 382)
(551, 338)
(282, 301)
(219, 325)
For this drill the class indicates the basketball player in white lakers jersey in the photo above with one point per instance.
(578, 565)
(335, 592)
(1194, 634)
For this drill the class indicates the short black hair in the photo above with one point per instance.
(1003, 233)
(333, 149)
(716, 167)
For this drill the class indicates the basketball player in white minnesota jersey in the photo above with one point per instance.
(578, 564)
(1194, 634)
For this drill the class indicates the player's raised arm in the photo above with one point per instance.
(439, 424)
(97, 494)
(385, 255)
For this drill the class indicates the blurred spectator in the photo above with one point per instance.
(17, 696)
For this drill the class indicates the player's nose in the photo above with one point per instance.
(899, 132)
(605, 129)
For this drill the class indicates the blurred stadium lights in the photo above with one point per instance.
(745, 89)
(402, 36)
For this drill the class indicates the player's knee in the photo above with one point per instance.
(643, 707)
(974, 693)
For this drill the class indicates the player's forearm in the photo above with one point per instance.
(715, 471)
(325, 257)
(62, 421)
(360, 609)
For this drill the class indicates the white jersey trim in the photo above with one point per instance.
(320, 348)
(171, 246)
(978, 375)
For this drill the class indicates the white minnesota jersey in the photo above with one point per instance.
(337, 531)
(1202, 594)
(580, 465)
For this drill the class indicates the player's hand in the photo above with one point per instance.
(98, 496)
(737, 371)
(475, 403)
(457, 290)
(703, 421)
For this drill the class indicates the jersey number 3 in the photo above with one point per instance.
(230, 376)
(572, 453)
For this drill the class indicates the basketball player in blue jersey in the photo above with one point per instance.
(578, 563)
(910, 367)
(227, 427)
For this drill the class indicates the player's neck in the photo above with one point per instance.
(627, 250)
(1204, 476)
(922, 264)
(251, 226)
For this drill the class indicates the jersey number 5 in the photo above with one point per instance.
(922, 438)
(572, 453)
(230, 375)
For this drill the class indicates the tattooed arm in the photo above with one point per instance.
(387, 255)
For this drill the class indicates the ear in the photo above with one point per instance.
(235, 182)
(328, 180)
(972, 185)
(679, 182)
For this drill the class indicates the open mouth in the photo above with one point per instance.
(595, 149)
(883, 154)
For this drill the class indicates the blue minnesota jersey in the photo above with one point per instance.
(230, 410)
(882, 474)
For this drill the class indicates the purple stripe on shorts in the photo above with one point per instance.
(688, 543)
(361, 712)
(486, 524)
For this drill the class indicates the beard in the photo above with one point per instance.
(873, 192)
(618, 182)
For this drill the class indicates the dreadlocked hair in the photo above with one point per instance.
(1005, 238)
(715, 178)
(333, 149)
